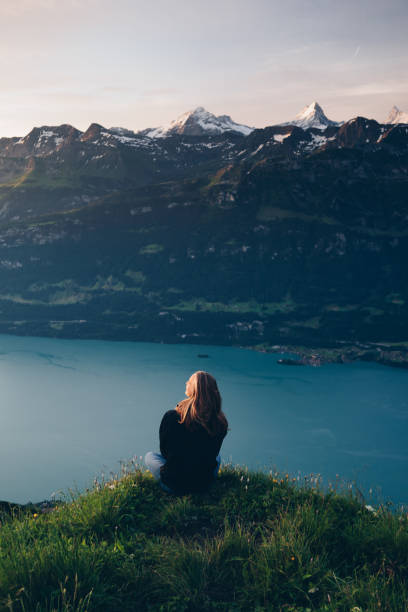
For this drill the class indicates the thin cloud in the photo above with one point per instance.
(116, 89)
(357, 51)
(373, 89)
(16, 8)
(287, 53)
(160, 92)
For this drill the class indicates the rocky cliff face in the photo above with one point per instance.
(282, 236)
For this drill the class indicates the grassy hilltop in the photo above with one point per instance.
(254, 542)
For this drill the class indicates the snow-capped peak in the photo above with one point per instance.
(199, 122)
(311, 116)
(397, 116)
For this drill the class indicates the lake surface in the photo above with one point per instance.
(73, 409)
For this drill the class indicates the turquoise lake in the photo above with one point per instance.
(72, 410)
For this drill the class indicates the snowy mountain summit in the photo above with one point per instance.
(199, 122)
(397, 116)
(311, 116)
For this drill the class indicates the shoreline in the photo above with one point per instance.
(389, 354)
(392, 354)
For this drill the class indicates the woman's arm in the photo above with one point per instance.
(169, 434)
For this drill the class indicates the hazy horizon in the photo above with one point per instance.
(129, 64)
(163, 123)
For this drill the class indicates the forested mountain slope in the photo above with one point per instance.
(282, 236)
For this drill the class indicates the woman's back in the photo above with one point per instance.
(190, 453)
(191, 438)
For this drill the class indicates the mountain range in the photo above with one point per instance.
(198, 122)
(207, 231)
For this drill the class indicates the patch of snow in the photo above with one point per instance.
(120, 131)
(397, 116)
(211, 145)
(316, 142)
(311, 116)
(47, 134)
(280, 137)
(257, 150)
(44, 136)
(159, 132)
(198, 122)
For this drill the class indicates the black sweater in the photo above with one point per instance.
(190, 455)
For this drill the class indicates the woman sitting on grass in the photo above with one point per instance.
(190, 439)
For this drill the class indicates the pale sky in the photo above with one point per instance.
(141, 63)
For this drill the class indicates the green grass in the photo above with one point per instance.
(34, 178)
(285, 306)
(271, 213)
(253, 542)
(217, 178)
(343, 308)
(151, 249)
(67, 291)
(312, 323)
(136, 275)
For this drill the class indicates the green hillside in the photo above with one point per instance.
(253, 542)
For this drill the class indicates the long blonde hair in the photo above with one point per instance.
(203, 406)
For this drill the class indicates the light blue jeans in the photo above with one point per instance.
(154, 461)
